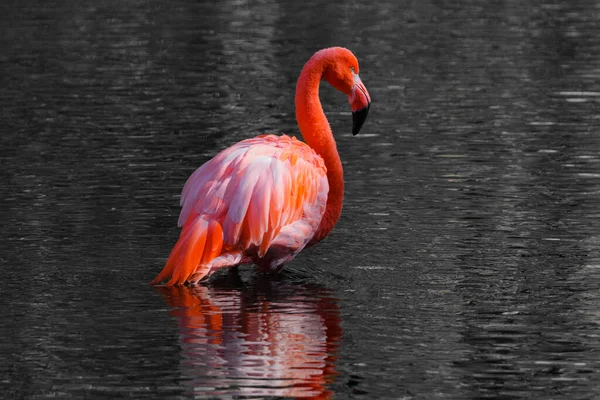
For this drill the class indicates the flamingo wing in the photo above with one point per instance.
(261, 194)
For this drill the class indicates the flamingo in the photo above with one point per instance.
(266, 198)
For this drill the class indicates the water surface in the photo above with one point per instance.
(465, 264)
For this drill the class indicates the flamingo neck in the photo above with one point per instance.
(317, 133)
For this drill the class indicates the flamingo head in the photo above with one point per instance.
(342, 74)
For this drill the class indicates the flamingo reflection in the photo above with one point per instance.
(267, 338)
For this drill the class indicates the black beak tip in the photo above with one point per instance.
(358, 119)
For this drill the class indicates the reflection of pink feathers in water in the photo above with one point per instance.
(278, 342)
(264, 199)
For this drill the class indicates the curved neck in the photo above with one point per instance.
(317, 133)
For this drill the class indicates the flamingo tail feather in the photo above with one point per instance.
(199, 243)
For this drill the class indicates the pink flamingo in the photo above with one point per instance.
(264, 199)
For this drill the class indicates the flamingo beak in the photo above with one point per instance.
(360, 101)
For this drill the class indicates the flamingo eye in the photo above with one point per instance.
(352, 70)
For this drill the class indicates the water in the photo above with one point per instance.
(466, 261)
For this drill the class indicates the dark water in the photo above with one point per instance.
(466, 263)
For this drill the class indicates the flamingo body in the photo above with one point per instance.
(264, 199)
